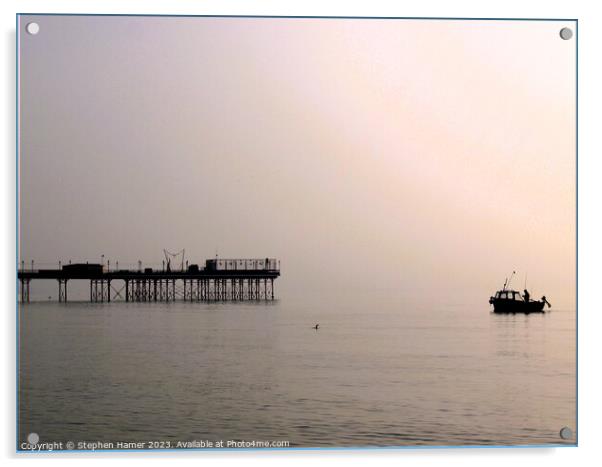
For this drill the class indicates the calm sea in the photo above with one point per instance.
(377, 372)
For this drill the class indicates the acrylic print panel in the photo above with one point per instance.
(295, 232)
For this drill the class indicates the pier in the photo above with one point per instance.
(217, 281)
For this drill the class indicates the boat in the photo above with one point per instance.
(511, 301)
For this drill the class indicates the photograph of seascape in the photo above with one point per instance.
(272, 232)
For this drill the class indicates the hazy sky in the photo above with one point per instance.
(429, 157)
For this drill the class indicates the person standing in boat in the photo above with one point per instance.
(527, 296)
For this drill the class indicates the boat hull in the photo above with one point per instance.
(515, 306)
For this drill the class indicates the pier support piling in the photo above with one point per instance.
(62, 290)
(24, 290)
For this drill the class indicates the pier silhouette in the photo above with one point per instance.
(218, 280)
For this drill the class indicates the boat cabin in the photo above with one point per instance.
(508, 295)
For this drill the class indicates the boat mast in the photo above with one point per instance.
(509, 280)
